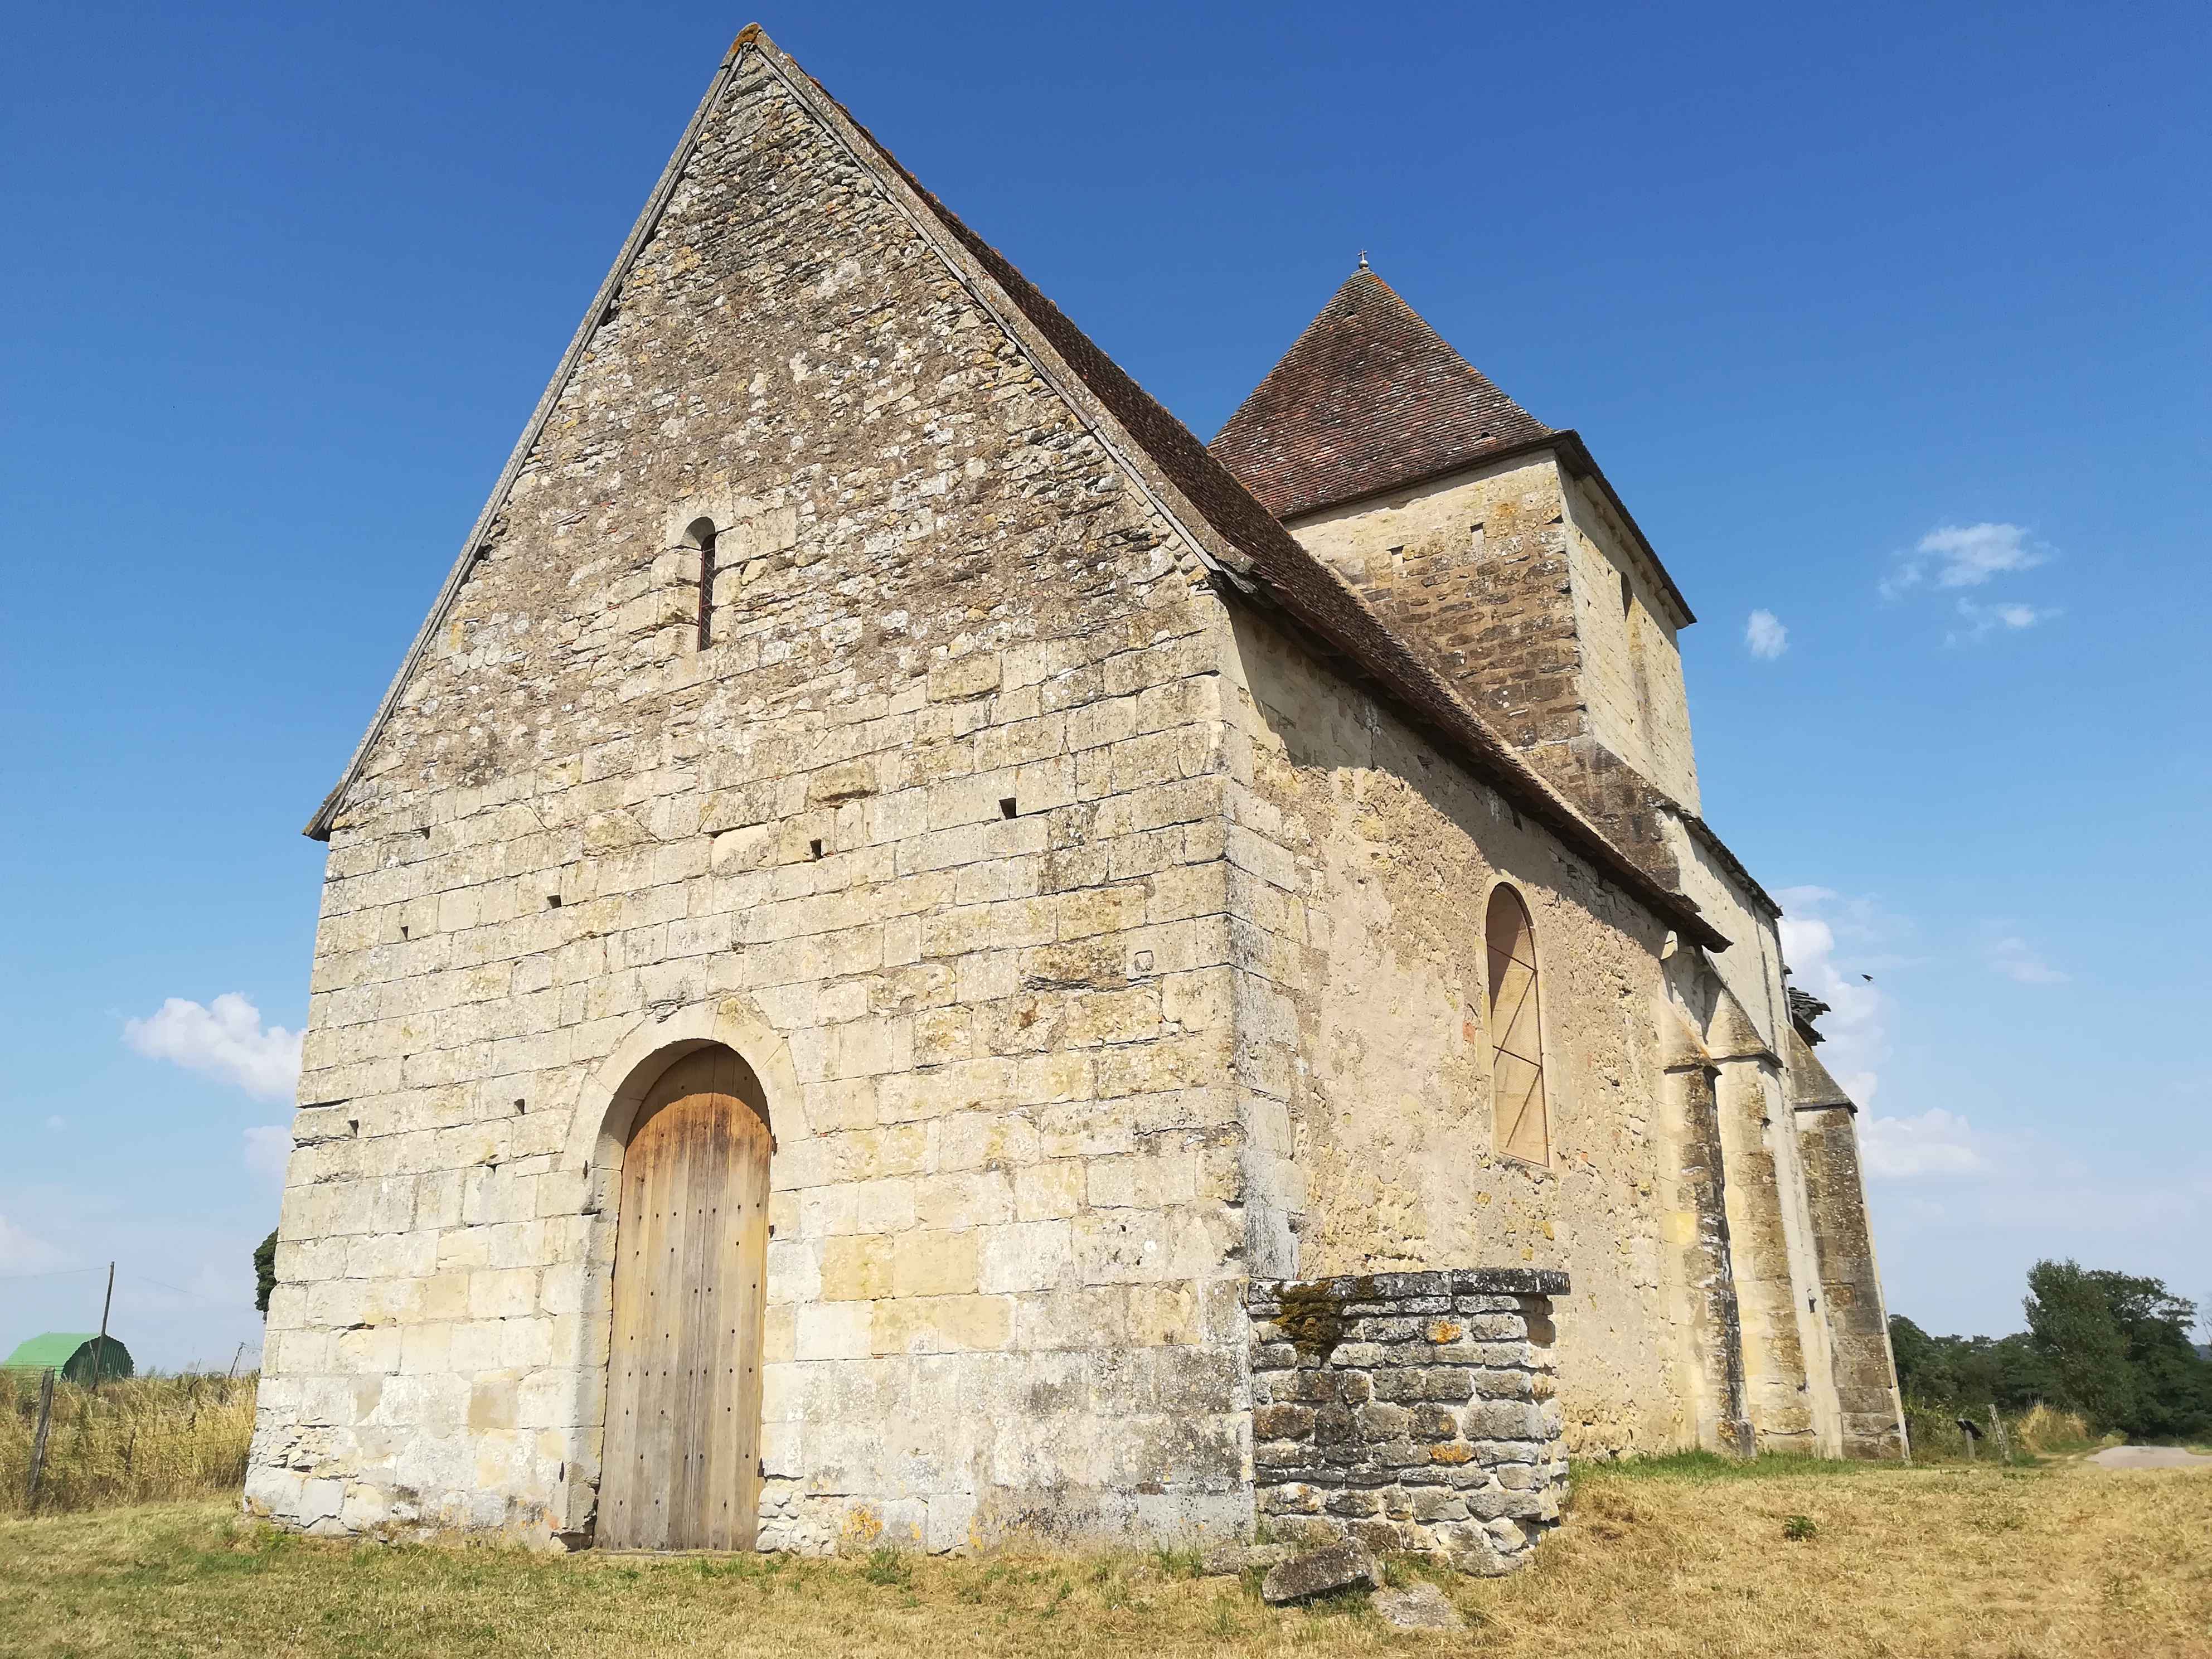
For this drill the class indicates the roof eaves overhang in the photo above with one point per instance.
(1519, 784)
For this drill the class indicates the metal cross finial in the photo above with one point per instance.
(1363, 259)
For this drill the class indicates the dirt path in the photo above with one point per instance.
(2148, 1457)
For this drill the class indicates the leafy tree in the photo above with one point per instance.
(2173, 1384)
(264, 1270)
(2111, 1346)
(1962, 1371)
(2070, 1320)
(2119, 1347)
(1921, 1374)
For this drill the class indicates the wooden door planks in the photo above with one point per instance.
(682, 1460)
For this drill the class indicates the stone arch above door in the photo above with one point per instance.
(620, 1083)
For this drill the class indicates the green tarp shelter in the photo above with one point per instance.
(71, 1353)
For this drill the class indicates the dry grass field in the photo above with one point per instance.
(139, 1440)
(1679, 1558)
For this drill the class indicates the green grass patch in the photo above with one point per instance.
(1710, 1466)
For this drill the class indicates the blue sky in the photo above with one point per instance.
(1891, 324)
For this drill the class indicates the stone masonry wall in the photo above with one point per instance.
(1868, 1404)
(1473, 571)
(931, 831)
(1514, 598)
(1411, 1410)
(1363, 865)
(1632, 661)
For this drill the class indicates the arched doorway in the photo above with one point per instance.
(681, 1464)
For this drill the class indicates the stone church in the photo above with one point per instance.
(914, 952)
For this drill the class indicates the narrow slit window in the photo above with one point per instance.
(1516, 1036)
(701, 535)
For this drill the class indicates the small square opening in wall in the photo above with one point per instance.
(814, 849)
(1009, 807)
(552, 901)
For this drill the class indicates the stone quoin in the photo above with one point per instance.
(914, 954)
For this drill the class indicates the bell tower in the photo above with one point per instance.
(1490, 541)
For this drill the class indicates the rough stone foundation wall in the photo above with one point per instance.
(1410, 1411)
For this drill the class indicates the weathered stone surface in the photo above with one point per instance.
(1423, 1606)
(1341, 1565)
(1228, 1560)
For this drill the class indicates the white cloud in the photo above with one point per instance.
(1856, 1026)
(1983, 620)
(1765, 635)
(22, 1252)
(268, 1149)
(2013, 956)
(225, 1040)
(1971, 554)
(1963, 556)
(1935, 1143)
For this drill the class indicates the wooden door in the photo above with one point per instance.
(681, 1467)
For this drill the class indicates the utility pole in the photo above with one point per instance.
(100, 1350)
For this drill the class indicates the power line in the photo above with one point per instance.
(65, 1273)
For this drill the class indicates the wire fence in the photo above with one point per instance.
(141, 1440)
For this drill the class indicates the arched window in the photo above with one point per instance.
(701, 535)
(1516, 1034)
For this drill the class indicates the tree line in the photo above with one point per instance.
(2112, 1346)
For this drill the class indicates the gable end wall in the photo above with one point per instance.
(1005, 1181)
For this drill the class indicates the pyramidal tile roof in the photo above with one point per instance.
(1370, 397)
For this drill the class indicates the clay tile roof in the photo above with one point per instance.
(1370, 397)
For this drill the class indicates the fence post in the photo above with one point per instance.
(39, 1446)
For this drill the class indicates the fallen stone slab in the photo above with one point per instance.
(1332, 1567)
(1417, 1607)
(1229, 1560)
